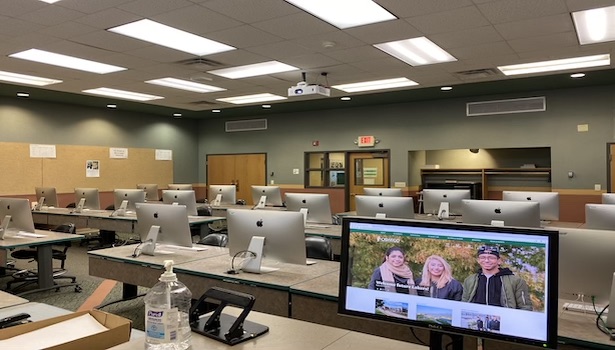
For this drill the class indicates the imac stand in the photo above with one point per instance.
(80, 205)
(254, 265)
(216, 202)
(304, 211)
(381, 215)
(443, 211)
(40, 204)
(121, 211)
(4, 226)
(498, 223)
(261, 202)
(610, 320)
(150, 241)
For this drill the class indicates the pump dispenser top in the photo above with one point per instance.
(168, 275)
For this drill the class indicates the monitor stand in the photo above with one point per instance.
(80, 205)
(39, 205)
(610, 320)
(261, 202)
(149, 244)
(436, 341)
(381, 215)
(443, 211)
(121, 211)
(254, 265)
(4, 226)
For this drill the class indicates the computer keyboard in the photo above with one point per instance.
(584, 307)
(317, 226)
(29, 234)
(179, 247)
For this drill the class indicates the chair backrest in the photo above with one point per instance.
(203, 211)
(110, 207)
(317, 247)
(215, 239)
(68, 227)
(71, 205)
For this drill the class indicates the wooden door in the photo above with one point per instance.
(366, 169)
(241, 170)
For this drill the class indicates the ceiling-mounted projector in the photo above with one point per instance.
(303, 88)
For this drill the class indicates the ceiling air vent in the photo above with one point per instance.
(517, 105)
(201, 64)
(474, 74)
(246, 125)
(202, 103)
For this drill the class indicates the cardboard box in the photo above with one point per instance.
(118, 331)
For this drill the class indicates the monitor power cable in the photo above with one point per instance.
(247, 254)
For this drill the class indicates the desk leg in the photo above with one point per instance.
(129, 291)
(45, 266)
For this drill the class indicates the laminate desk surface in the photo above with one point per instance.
(12, 241)
(179, 256)
(285, 333)
(8, 300)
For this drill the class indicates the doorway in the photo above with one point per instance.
(241, 170)
(366, 169)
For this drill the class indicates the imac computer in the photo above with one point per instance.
(16, 215)
(183, 197)
(87, 198)
(165, 224)
(273, 236)
(222, 194)
(500, 213)
(180, 187)
(608, 198)
(368, 291)
(125, 200)
(389, 207)
(549, 202)
(46, 196)
(317, 205)
(600, 216)
(387, 192)
(151, 192)
(272, 194)
(433, 199)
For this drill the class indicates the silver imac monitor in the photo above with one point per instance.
(151, 192)
(276, 236)
(608, 198)
(388, 207)
(183, 197)
(131, 196)
(549, 202)
(16, 215)
(600, 216)
(272, 194)
(500, 213)
(178, 187)
(586, 266)
(90, 195)
(49, 194)
(387, 192)
(172, 220)
(227, 194)
(432, 198)
(317, 204)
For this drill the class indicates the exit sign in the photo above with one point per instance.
(366, 141)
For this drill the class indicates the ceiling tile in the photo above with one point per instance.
(384, 32)
(468, 37)
(442, 22)
(148, 8)
(250, 11)
(544, 42)
(535, 27)
(295, 26)
(413, 8)
(510, 11)
(244, 36)
(51, 15)
(197, 20)
(108, 18)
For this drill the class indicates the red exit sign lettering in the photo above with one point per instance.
(366, 141)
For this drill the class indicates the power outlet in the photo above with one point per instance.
(295, 171)
(597, 187)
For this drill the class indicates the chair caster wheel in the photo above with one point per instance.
(78, 289)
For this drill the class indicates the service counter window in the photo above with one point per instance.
(325, 169)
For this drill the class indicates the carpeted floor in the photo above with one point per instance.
(67, 298)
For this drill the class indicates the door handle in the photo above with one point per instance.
(237, 185)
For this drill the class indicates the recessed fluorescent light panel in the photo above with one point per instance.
(128, 95)
(66, 61)
(345, 13)
(253, 70)
(160, 34)
(50, 1)
(27, 79)
(416, 51)
(185, 85)
(376, 85)
(238, 100)
(557, 65)
(595, 25)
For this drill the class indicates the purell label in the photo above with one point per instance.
(161, 325)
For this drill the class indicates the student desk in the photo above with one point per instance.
(220, 210)
(44, 251)
(285, 333)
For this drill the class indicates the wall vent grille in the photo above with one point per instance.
(517, 105)
(246, 125)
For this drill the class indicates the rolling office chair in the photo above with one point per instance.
(317, 247)
(215, 239)
(28, 277)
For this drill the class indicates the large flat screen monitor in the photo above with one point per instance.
(131, 196)
(389, 207)
(549, 202)
(151, 192)
(432, 198)
(183, 197)
(91, 197)
(283, 237)
(608, 198)
(493, 212)
(600, 216)
(227, 194)
(49, 194)
(317, 204)
(172, 220)
(586, 266)
(179, 187)
(18, 213)
(387, 192)
(273, 195)
(432, 274)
